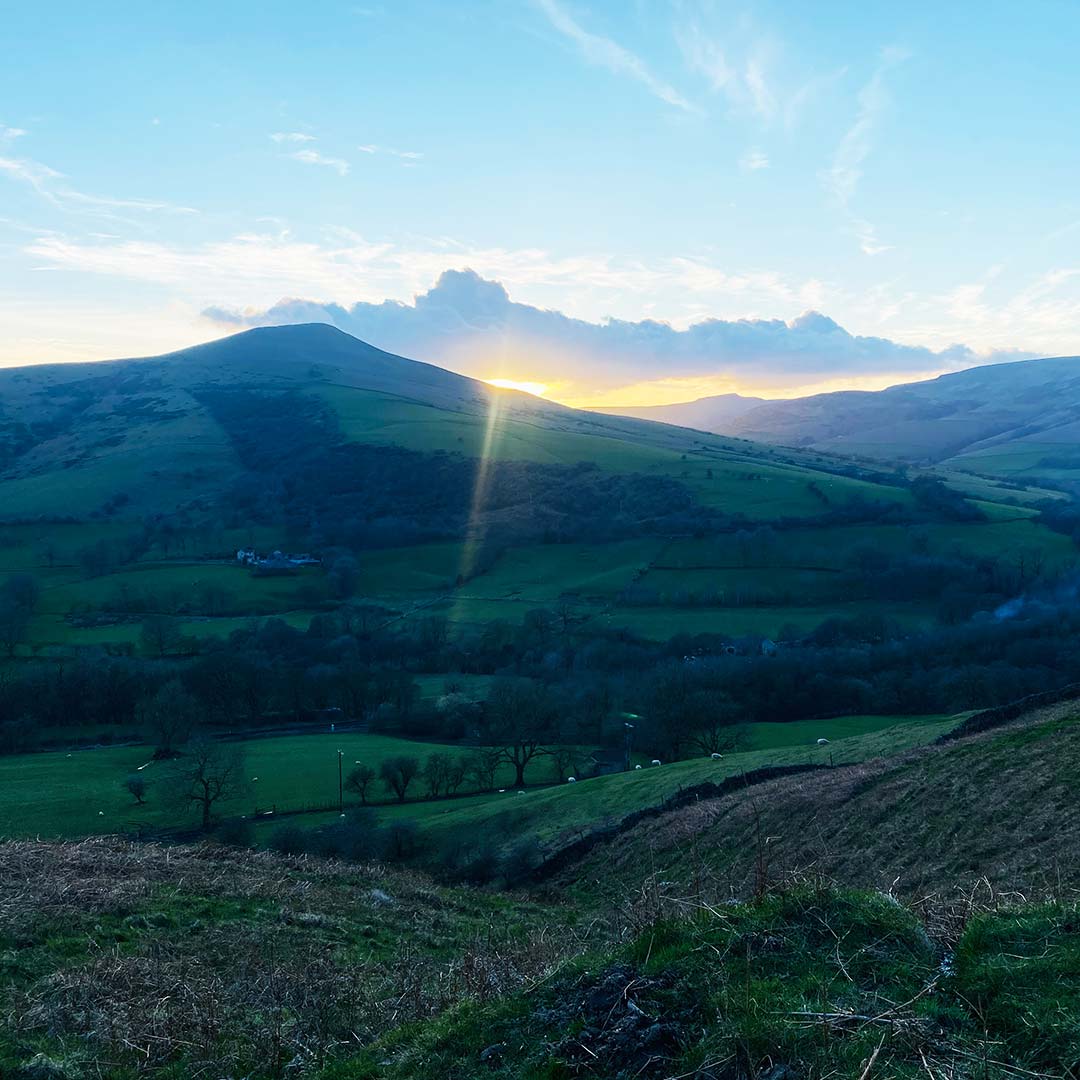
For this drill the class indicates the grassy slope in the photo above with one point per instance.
(57, 793)
(72, 794)
(998, 806)
(140, 961)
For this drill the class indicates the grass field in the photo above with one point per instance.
(62, 794)
(553, 813)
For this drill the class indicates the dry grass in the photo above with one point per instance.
(237, 963)
(996, 807)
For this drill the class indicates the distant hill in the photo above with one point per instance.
(716, 414)
(1018, 420)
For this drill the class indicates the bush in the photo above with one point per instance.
(290, 840)
(236, 832)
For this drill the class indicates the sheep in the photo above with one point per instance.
(656, 761)
(823, 742)
(571, 779)
(637, 766)
(717, 757)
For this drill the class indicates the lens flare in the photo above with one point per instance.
(537, 389)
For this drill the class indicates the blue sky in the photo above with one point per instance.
(908, 170)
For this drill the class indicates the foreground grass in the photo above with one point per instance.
(126, 961)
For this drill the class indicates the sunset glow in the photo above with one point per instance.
(537, 389)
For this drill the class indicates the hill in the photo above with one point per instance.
(718, 414)
(993, 807)
(1017, 420)
(125, 486)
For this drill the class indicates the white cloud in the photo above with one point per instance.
(406, 155)
(7, 134)
(842, 178)
(313, 157)
(471, 325)
(292, 137)
(51, 186)
(753, 160)
(603, 52)
(869, 243)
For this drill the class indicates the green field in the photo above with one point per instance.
(551, 813)
(70, 794)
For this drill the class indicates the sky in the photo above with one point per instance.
(615, 202)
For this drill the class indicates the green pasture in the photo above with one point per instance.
(556, 813)
(57, 793)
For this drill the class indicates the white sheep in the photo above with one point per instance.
(571, 779)
(656, 761)
(637, 766)
(717, 757)
(823, 742)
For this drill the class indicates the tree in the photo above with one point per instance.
(160, 635)
(135, 786)
(562, 761)
(343, 577)
(168, 716)
(359, 782)
(519, 719)
(456, 771)
(436, 773)
(18, 599)
(209, 772)
(483, 765)
(715, 715)
(398, 773)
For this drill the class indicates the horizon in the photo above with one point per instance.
(623, 207)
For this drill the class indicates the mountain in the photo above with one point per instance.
(74, 436)
(717, 414)
(1020, 420)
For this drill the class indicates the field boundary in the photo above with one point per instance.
(580, 847)
(986, 719)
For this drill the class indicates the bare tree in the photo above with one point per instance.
(436, 772)
(398, 773)
(209, 772)
(483, 766)
(520, 719)
(169, 717)
(359, 782)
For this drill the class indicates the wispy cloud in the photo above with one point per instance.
(753, 160)
(842, 178)
(604, 52)
(7, 134)
(740, 71)
(292, 137)
(868, 238)
(406, 155)
(313, 157)
(52, 186)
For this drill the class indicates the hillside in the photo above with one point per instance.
(717, 414)
(1019, 420)
(995, 807)
(127, 485)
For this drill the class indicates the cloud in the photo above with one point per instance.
(7, 134)
(406, 155)
(603, 52)
(52, 186)
(313, 157)
(291, 137)
(753, 160)
(470, 324)
(842, 178)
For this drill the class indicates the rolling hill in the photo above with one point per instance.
(1019, 420)
(175, 456)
